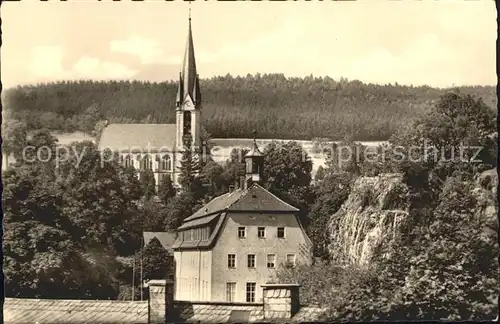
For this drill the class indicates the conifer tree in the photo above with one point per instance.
(148, 183)
(190, 167)
(166, 189)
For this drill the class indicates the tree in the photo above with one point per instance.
(234, 167)
(100, 199)
(179, 208)
(330, 194)
(147, 179)
(287, 173)
(320, 174)
(152, 216)
(212, 174)
(14, 139)
(41, 150)
(453, 270)
(166, 189)
(345, 156)
(47, 262)
(157, 262)
(287, 166)
(443, 140)
(189, 167)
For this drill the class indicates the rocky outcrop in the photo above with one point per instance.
(370, 218)
(378, 206)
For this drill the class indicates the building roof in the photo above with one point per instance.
(254, 150)
(60, 311)
(202, 243)
(166, 239)
(254, 198)
(189, 84)
(136, 138)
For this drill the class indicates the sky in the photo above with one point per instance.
(438, 43)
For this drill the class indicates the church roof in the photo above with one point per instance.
(254, 150)
(189, 83)
(138, 137)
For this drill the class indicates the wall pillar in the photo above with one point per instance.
(281, 300)
(161, 298)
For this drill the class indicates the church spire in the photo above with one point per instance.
(189, 83)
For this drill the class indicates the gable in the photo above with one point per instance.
(188, 103)
(138, 137)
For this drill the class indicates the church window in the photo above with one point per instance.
(166, 162)
(147, 163)
(128, 161)
(187, 123)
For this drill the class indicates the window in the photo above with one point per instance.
(187, 123)
(250, 292)
(261, 232)
(147, 163)
(166, 162)
(231, 261)
(241, 232)
(271, 260)
(281, 232)
(128, 161)
(290, 260)
(251, 261)
(230, 291)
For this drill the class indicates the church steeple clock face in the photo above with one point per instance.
(188, 105)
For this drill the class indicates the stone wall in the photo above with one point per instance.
(161, 297)
(281, 300)
(52, 311)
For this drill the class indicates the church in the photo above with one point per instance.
(231, 248)
(159, 147)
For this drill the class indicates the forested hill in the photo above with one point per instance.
(277, 107)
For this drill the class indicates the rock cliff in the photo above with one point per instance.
(377, 208)
(369, 218)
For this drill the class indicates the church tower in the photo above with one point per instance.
(188, 101)
(254, 165)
